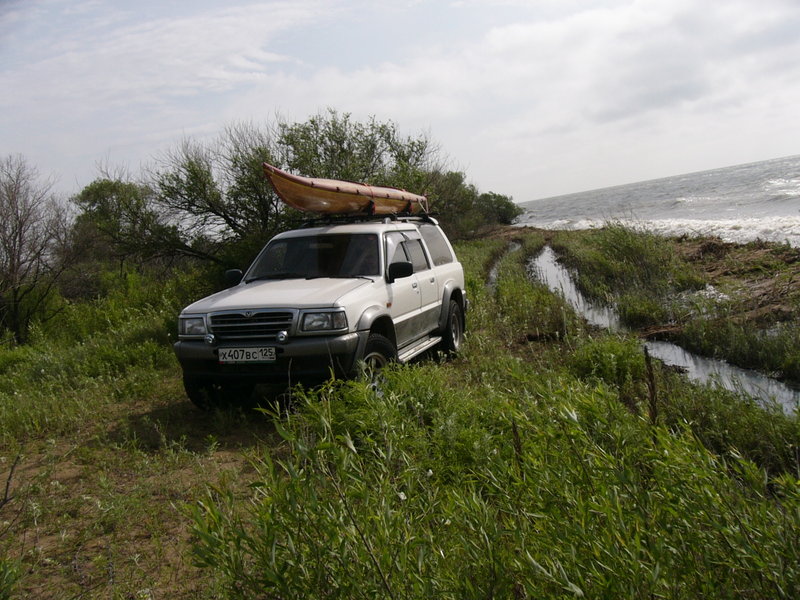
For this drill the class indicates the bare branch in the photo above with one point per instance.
(6, 497)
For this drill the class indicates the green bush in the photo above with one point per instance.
(617, 361)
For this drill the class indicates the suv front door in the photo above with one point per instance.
(404, 296)
(415, 299)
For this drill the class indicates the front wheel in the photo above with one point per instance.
(378, 353)
(454, 330)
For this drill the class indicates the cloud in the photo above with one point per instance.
(569, 94)
(120, 59)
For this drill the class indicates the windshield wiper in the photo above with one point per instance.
(367, 277)
(277, 275)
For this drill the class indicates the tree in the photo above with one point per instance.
(33, 228)
(463, 211)
(128, 217)
(210, 199)
(216, 193)
(497, 208)
(334, 146)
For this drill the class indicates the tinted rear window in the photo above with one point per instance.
(440, 252)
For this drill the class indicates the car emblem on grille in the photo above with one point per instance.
(248, 313)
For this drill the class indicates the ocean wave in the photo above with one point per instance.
(693, 199)
(783, 186)
(773, 229)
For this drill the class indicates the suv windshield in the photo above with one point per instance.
(332, 255)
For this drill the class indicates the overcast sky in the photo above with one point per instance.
(529, 98)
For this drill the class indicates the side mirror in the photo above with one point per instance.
(398, 270)
(233, 277)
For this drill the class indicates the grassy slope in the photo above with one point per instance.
(736, 302)
(529, 466)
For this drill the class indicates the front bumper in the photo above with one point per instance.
(311, 359)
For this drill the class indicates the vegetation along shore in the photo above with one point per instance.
(548, 459)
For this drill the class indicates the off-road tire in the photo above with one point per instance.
(453, 335)
(378, 352)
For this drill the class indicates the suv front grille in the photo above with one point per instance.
(250, 325)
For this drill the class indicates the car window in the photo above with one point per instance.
(437, 245)
(394, 248)
(416, 254)
(340, 255)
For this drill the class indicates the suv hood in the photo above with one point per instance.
(296, 293)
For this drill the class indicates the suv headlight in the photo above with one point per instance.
(324, 321)
(192, 326)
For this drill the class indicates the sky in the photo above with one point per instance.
(530, 99)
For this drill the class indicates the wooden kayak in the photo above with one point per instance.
(331, 196)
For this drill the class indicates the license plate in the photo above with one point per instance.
(247, 355)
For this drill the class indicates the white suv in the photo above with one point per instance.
(323, 300)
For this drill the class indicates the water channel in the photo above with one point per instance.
(705, 370)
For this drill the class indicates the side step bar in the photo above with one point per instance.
(418, 348)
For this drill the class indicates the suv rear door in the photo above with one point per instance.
(415, 299)
(427, 284)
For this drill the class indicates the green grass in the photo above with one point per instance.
(650, 285)
(634, 270)
(525, 308)
(544, 461)
(551, 491)
(530, 473)
(775, 350)
(106, 354)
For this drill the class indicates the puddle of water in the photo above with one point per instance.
(491, 279)
(545, 268)
(728, 376)
(706, 370)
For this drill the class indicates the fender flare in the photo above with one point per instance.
(451, 288)
(365, 324)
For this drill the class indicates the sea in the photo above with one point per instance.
(740, 204)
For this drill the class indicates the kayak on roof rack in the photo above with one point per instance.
(332, 196)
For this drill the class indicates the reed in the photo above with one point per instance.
(489, 491)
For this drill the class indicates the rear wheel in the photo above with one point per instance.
(454, 330)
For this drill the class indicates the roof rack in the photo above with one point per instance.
(346, 219)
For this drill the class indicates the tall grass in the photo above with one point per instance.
(649, 284)
(425, 490)
(634, 270)
(96, 353)
(721, 420)
(525, 307)
(775, 350)
(528, 466)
